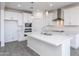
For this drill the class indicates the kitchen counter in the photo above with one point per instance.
(54, 39)
(49, 45)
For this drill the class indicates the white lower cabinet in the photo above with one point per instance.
(75, 42)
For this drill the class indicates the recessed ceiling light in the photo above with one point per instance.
(51, 5)
(19, 5)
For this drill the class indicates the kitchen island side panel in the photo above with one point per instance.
(44, 49)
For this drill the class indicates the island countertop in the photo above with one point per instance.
(54, 39)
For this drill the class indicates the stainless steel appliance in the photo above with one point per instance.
(28, 28)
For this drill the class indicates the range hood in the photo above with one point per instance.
(58, 16)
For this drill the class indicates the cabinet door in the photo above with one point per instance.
(20, 19)
(14, 15)
(67, 17)
(71, 16)
(75, 16)
(7, 15)
(27, 18)
(10, 15)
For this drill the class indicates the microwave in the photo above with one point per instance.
(28, 24)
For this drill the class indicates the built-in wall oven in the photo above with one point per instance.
(28, 28)
(28, 24)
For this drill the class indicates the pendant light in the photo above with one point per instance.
(46, 13)
(32, 7)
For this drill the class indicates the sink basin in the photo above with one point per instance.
(48, 34)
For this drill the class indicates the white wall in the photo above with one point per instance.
(37, 24)
(2, 28)
(0, 25)
(49, 19)
(0, 21)
(40, 22)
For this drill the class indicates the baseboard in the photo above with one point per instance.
(10, 41)
(74, 47)
(0, 43)
(21, 40)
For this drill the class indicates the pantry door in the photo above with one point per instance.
(11, 33)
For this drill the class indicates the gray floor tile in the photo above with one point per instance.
(17, 49)
(20, 49)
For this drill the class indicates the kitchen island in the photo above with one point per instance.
(49, 45)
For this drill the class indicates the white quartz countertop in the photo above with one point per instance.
(54, 39)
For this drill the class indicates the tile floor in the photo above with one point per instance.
(21, 49)
(17, 49)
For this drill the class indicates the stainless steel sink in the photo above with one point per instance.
(48, 34)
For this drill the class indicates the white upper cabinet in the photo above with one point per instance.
(67, 17)
(27, 18)
(7, 15)
(20, 18)
(71, 16)
(10, 15)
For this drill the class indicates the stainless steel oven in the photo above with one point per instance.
(28, 24)
(27, 29)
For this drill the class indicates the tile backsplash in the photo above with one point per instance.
(65, 28)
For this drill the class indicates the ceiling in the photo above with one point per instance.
(42, 6)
